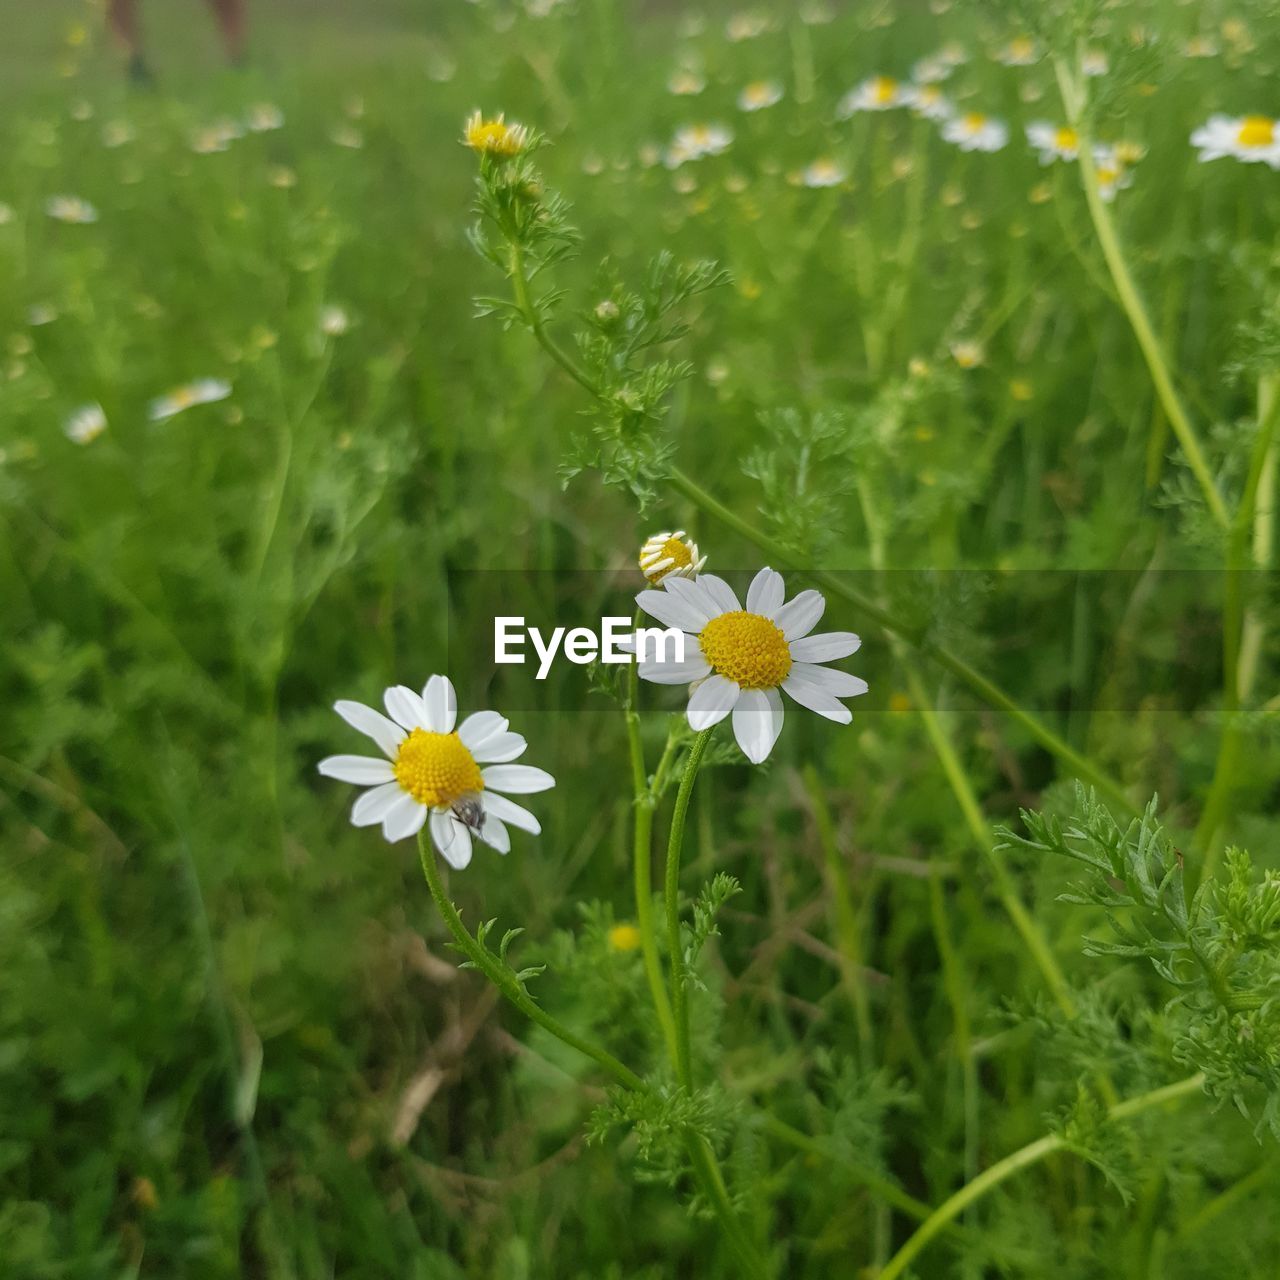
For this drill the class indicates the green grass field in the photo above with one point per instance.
(979, 984)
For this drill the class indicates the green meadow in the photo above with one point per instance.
(964, 317)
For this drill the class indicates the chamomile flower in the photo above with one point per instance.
(670, 555)
(1021, 51)
(1253, 139)
(823, 172)
(759, 94)
(494, 137)
(1113, 174)
(745, 26)
(737, 659)
(1094, 63)
(879, 93)
(686, 83)
(932, 70)
(929, 101)
(1053, 141)
(967, 353)
(187, 396)
(264, 117)
(623, 937)
(334, 321)
(437, 773)
(85, 424)
(974, 131)
(345, 135)
(117, 133)
(694, 141)
(70, 209)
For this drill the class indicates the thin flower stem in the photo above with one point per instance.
(1080, 765)
(712, 1182)
(679, 979)
(644, 801)
(1021, 1159)
(1073, 102)
(505, 980)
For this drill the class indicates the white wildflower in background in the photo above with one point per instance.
(1095, 63)
(345, 135)
(70, 209)
(85, 424)
(759, 94)
(932, 70)
(1021, 51)
(929, 101)
(737, 659)
(117, 133)
(432, 773)
(695, 141)
(1053, 141)
(1253, 139)
(334, 321)
(746, 26)
(685, 83)
(967, 353)
(187, 396)
(263, 117)
(974, 131)
(1113, 173)
(879, 93)
(824, 172)
(670, 554)
(6, 214)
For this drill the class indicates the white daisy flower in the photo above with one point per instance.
(967, 353)
(85, 424)
(1113, 174)
(432, 774)
(1095, 63)
(824, 172)
(264, 117)
(932, 70)
(1019, 52)
(686, 83)
(745, 26)
(879, 93)
(737, 659)
(187, 396)
(694, 141)
(759, 94)
(1253, 139)
(1052, 141)
(70, 209)
(929, 101)
(976, 132)
(334, 321)
(670, 555)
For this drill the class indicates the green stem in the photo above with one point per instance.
(502, 977)
(679, 978)
(1024, 1158)
(709, 1177)
(1131, 300)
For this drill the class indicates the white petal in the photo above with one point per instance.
(695, 597)
(500, 748)
(720, 591)
(441, 703)
(452, 839)
(520, 779)
(686, 672)
(816, 699)
(670, 610)
(366, 771)
(757, 721)
(404, 818)
(371, 806)
(495, 835)
(386, 733)
(826, 647)
(798, 617)
(712, 700)
(840, 684)
(406, 708)
(479, 727)
(515, 815)
(766, 593)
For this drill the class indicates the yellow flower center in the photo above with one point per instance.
(1066, 139)
(1108, 175)
(884, 89)
(746, 648)
(1022, 47)
(1256, 131)
(494, 137)
(675, 550)
(974, 121)
(624, 937)
(436, 769)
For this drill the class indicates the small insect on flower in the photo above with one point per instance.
(974, 131)
(670, 555)
(824, 172)
(929, 101)
(70, 209)
(879, 93)
(1052, 141)
(737, 659)
(759, 94)
(1021, 51)
(187, 396)
(1253, 139)
(85, 424)
(432, 773)
(494, 137)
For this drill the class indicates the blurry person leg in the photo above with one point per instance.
(231, 21)
(122, 18)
